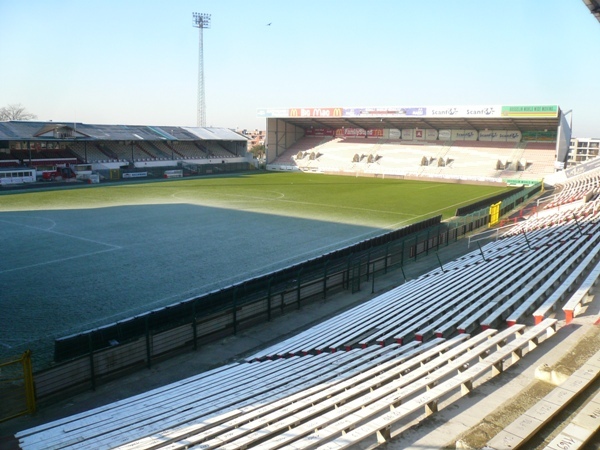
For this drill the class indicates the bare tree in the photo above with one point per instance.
(15, 112)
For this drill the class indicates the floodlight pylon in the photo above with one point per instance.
(201, 21)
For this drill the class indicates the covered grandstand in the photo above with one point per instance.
(491, 143)
(114, 147)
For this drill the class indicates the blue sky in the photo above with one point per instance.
(135, 62)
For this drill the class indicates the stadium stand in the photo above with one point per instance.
(272, 403)
(48, 142)
(572, 307)
(306, 392)
(460, 298)
(91, 153)
(454, 159)
(576, 188)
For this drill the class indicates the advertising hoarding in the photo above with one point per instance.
(394, 133)
(530, 111)
(464, 111)
(408, 134)
(359, 132)
(445, 135)
(543, 136)
(389, 111)
(458, 111)
(315, 112)
(500, 135)
(464, 135)
(318, 132)
(431, 135)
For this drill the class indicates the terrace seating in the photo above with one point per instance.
(217, 150)
(254, 401)
(521, 430)
(572, 306)
(89, 152)
(123, 151)
(307, 143)
(157, 149)
(325, 400)
(293, 408)
(10, 163)
(217, 397)
(190, 151)
(149, 152)
(395, 157)
(576, 189)
(539, 157)
(550, 303)
(373, 416)
(459, 299)
(544, 281)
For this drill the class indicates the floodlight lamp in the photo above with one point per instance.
(201, 20)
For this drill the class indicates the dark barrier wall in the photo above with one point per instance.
(246, 292)
(487, 202)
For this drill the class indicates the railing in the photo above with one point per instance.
(16, 388)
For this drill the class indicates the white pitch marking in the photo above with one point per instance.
(52, 222)
(177, 196)
(202, 289)
(281, 198)
(115, 247)
(54, 261)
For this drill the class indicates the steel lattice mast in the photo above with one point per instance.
(201, 21)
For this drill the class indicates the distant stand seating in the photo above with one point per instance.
(9, 162)
(216, 150)
(87, 152)
(576, 188)
(304, 146)
(452, 159)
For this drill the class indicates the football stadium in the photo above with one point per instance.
(407, 277)
(433, 246)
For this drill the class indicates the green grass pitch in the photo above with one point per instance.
(373, 202)
(79, 258)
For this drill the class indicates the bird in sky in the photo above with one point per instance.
(269, 24)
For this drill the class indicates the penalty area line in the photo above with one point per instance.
(56, 261)
(114, 247)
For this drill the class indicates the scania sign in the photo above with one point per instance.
(486, 111)
(444, 112)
